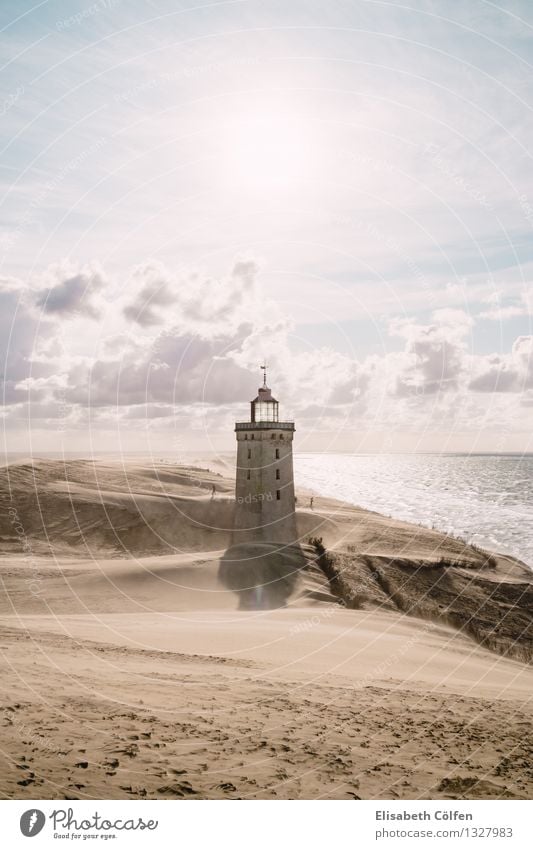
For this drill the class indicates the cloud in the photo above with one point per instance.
(497, 374)
(21, 339)
(199, 301)
(185, 370)
(221, 330)
(147, 309)
(72, 292)
(325, 379)
(318, 378)
(434, 356)
(191, 362)
(506, 373)
(501, 312)
(213, 305)
(149, 411)
(178, 368)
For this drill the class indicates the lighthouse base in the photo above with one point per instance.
(263, 575)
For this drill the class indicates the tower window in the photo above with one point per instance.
(246, 436)
(249, 453)
(273, 436)
(277, 474)
(277, 453)
(252, 436)
(248, 474)
(278, 495)
(280, 436)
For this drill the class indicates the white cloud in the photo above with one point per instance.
(204, 373)
(506, 373)
(434, 356)
(72, 291)
(21, 334)
(503, 308)
(503, 313)
(192, 300)
(154, 293)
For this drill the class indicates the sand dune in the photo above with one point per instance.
(349, 648)
(129, 669)
(276, 705)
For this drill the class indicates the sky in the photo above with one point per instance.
(342, 189)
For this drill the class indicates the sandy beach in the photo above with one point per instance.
(129, 671)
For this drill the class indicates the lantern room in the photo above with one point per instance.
(265, 408)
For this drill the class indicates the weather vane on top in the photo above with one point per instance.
(264, 368)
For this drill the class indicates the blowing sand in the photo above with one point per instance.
(129, 671)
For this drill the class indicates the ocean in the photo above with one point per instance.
(484, 498)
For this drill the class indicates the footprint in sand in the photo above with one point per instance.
(182, 788)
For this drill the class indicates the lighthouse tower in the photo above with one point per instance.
(264, 492)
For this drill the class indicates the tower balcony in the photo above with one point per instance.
(264, 426)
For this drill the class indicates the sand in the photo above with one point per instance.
(129, 671)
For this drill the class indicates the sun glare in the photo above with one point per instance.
(266, 151)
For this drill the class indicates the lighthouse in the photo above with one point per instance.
(264, 491)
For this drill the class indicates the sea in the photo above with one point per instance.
(483, 498)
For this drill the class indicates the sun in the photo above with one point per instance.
(266, 150)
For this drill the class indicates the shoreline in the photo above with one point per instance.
(410, 512)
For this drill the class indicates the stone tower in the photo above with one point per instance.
(264, 492)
